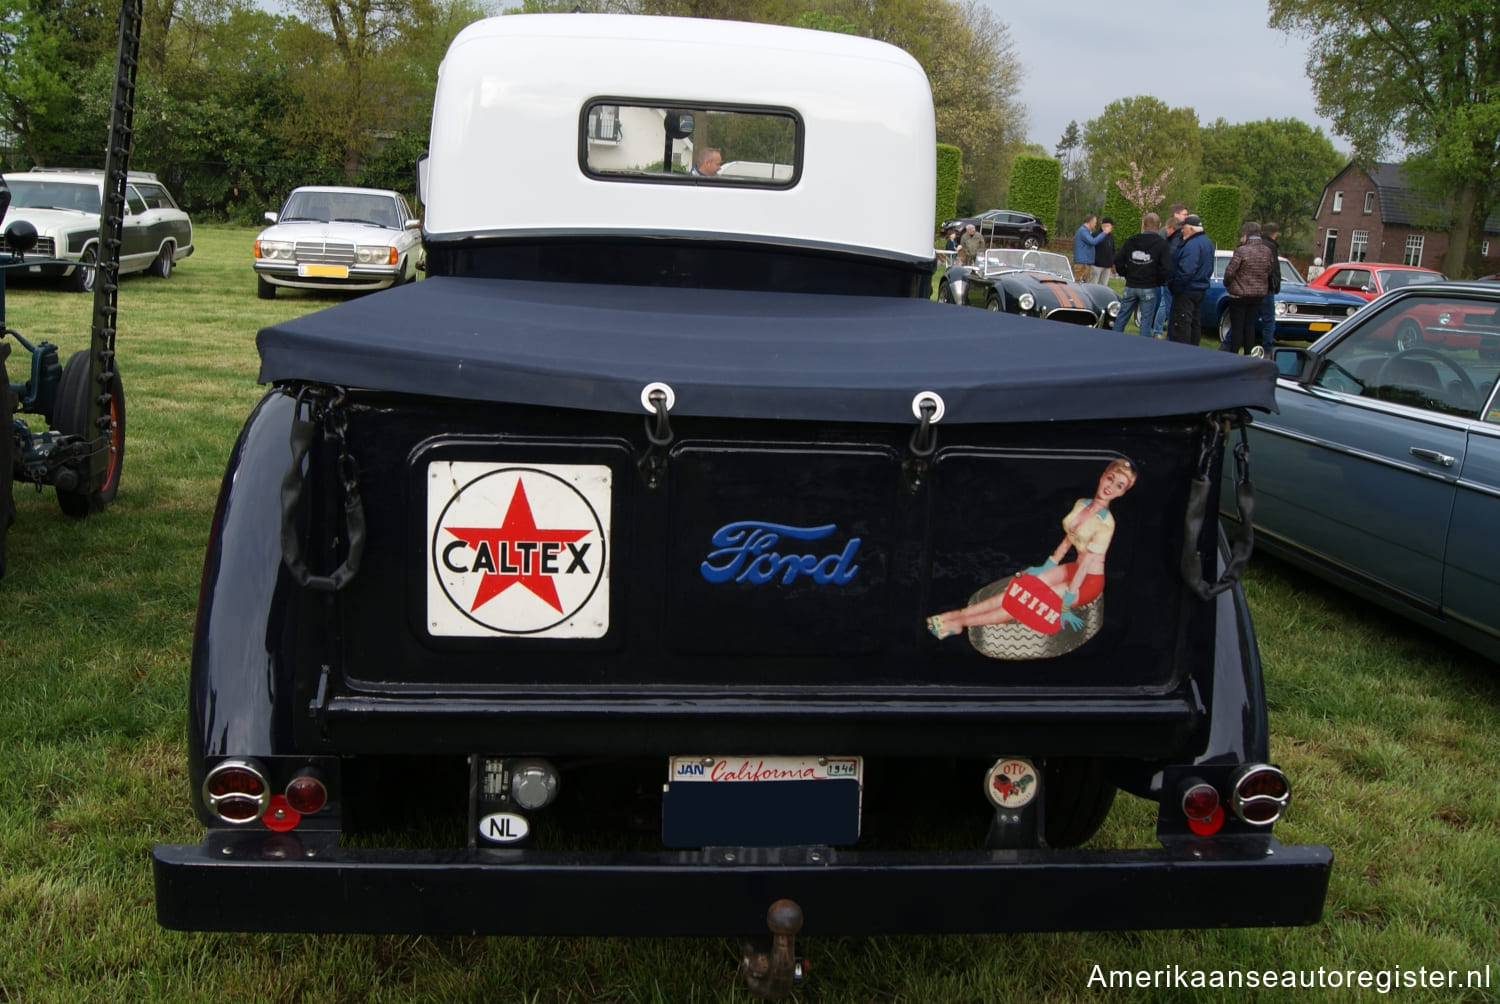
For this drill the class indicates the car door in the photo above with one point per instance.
(137, 242)
(1471, 581)
(1360, 469)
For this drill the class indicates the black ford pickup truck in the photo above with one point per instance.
(667, 554)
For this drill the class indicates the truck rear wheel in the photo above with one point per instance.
(1078, 799)
(74, 392)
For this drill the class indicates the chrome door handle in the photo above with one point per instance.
(1433, 455)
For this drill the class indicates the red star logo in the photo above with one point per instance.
(516, 549)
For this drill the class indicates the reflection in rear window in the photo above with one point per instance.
(623, 140)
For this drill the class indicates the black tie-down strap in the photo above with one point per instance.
(313, 408)
(1203, 492)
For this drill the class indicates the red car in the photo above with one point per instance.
(1370, 279)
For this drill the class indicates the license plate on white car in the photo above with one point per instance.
(761, 801)
(323, 271)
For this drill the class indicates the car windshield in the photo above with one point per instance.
(349, 207)
(26, 193)
(1015, 259)
(1395, 278)
(1437, 353)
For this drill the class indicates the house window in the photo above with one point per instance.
(1484, 249)
(1413, 254)
(604, 124)
(1369, 203)
(1359, 245)
(1338, 202)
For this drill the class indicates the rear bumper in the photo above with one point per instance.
(251, 882)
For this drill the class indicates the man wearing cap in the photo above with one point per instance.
(1192, 267)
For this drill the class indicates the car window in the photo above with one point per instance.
(690, 142)
(1290, 274)
(1395, 278)
(1440, 354)
(1350, 278)
(155, 196)
(134, 204)
(28, 193)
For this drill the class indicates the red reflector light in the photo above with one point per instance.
(1208, 827)
(279, 816)
(306, 793)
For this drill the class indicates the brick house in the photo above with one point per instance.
(1372, 215)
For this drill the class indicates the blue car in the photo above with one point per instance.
(1303, 312)
(1381, 470)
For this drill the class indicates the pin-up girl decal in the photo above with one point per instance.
(1053, 607)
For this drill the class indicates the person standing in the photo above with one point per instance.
(1247, 279)
(1172, 234)
(1192, 267)
(1104, 253)
(1265, 322)
(1146, 266)
(970, 247)
(1084, 242)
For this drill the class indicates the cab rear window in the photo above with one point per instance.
(630, 140)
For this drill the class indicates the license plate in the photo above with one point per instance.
(761, 801)
(323, 271)
(1321, 326)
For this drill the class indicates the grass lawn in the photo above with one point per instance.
(1390, 736)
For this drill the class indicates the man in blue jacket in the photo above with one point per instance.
(1192, 267)
(1084, 242)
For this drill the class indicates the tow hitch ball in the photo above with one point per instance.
(772, 974)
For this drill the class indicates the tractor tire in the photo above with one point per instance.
(74, 392)
(7, 455)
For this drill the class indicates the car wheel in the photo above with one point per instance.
(1078, 800)
(945, 295)
(1408, 335)
(1031, 243)
(74, 394)
(162, 266)
(992, 302)
(264, 289)
(1224, 327)
(7, 460)
(82, 279)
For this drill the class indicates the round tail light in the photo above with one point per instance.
(236, 791)
(306, 793)
(1261, 794)
(1200, 804)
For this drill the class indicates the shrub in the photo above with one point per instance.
(1219, 208)
(949, 163)
(1035, 186)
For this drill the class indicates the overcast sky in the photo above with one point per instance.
(1214, 56)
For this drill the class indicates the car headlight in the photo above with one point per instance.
(1281, 308)
(375, 254)
(1114, 308)
(1026, 301)
(1291, 308)
(1445, 318)
(274, 250)
(1351, 309)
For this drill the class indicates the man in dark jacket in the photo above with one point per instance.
(1172, 234)
(1192, 267)
(1146, 266)
(1265, 322)
(1247, 280)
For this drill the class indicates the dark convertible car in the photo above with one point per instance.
(1031, 283)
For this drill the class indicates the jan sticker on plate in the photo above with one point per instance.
(518, 550)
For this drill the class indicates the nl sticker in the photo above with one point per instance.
(518, 550)
(1050, 608)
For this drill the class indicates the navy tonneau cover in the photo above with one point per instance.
(747, 354)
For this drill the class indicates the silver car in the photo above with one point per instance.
(343, 239)
(1381, 469)
(64, 206)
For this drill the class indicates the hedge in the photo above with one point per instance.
(949, 163)
(1219, 208)
(1120, 209)
(1035, 186)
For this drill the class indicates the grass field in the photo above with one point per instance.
(1391, 738)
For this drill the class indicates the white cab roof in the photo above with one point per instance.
(506, 155)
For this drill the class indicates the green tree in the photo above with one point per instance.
(1144, 131)
(36, 99)
(1279, 165)
(1423, 75)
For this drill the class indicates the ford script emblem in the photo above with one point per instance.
(757, 552)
